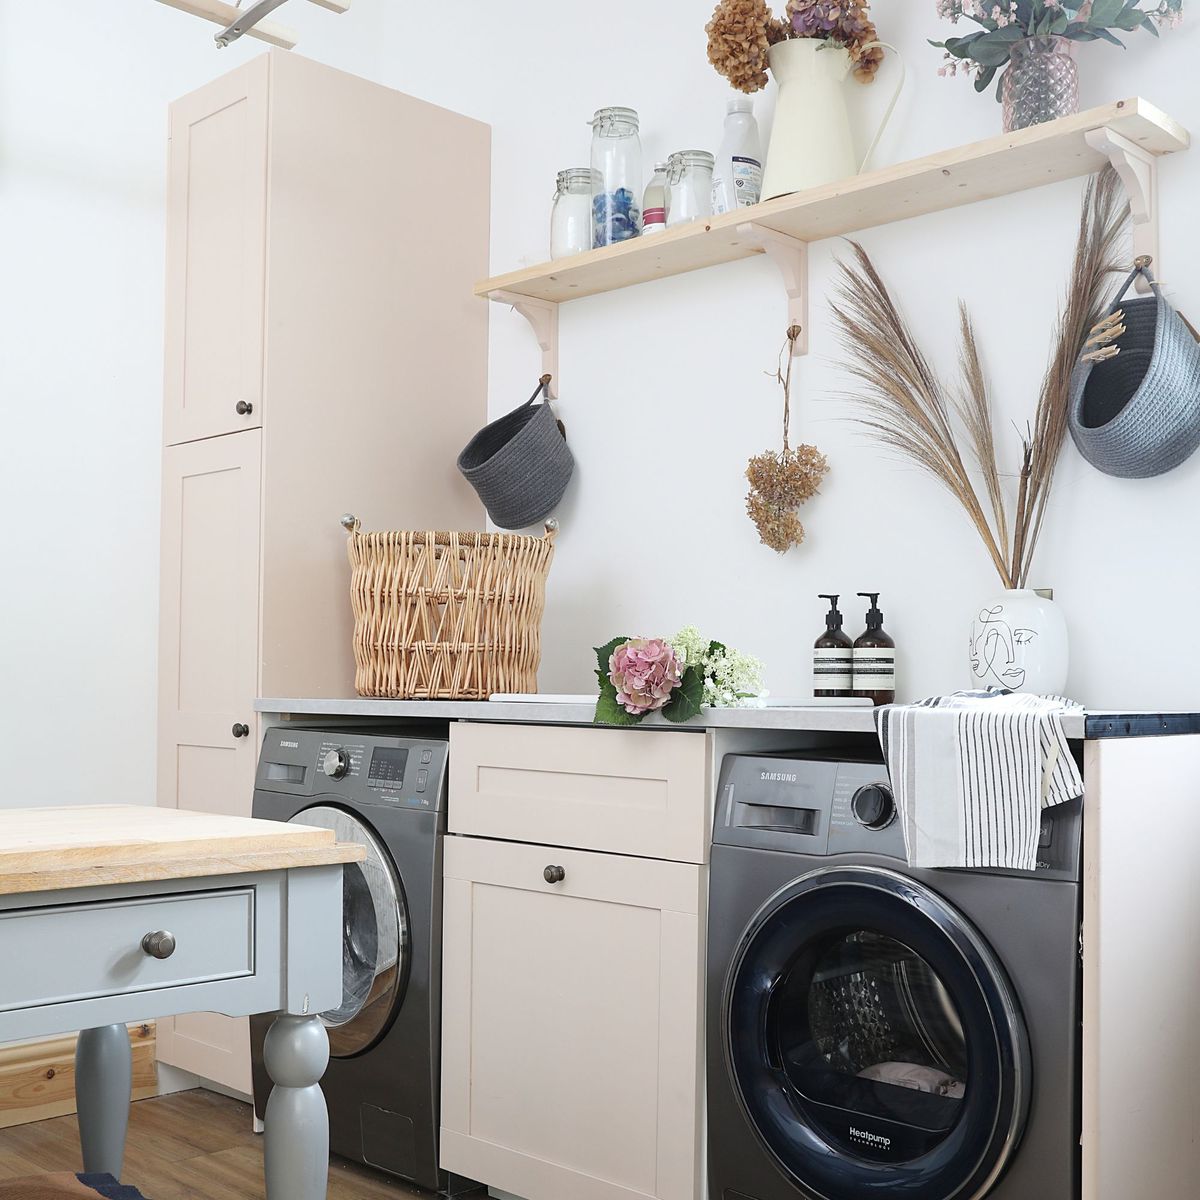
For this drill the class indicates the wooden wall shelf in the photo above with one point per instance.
(1129, 133)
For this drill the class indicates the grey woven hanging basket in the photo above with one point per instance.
(520, 463)
(1135, 393)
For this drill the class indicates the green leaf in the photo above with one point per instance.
(960, 47)
(1104, 13)
(993, 49)
(604, 653)
(984, 78)
(688, 698)
(608, 711)
(716, 648)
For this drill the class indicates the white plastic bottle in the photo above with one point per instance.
(737, 179)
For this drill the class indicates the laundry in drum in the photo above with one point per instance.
(881, 1037)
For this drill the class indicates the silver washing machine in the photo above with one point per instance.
(876, 1030)
(386, 793)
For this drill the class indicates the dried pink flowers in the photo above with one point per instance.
(742, 31)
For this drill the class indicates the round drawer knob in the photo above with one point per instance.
(159, 944)
(554, 874)
(240, 730)
(243, 409)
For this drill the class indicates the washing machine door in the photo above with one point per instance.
(875, 1042)
(375, 937)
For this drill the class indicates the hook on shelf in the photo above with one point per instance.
(790, 255)
(542, 316)
(1138, 170)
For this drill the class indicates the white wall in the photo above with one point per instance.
(84, 87)
(663, 386)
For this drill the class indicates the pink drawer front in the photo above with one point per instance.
(639, 792)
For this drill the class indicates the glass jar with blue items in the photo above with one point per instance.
(571, 216)
(616, 176)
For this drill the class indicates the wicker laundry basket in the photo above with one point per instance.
(447, 616)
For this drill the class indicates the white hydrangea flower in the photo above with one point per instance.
(731, 679)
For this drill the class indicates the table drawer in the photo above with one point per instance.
(84, 951)
(640, 792)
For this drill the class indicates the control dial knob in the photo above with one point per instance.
(336, 763)
(874, 806)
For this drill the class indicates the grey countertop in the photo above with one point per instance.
(573, 712)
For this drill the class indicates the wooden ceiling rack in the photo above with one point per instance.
(236, 21)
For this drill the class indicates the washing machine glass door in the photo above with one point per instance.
(875, 1042)
(375, 938)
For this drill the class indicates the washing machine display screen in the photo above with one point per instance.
(387, 765)
(868, 1027)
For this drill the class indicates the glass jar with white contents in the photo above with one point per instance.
(616, 176)
(571, 216)
(689, 186)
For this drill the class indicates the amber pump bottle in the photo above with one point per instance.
(833, 656)
(875, 658)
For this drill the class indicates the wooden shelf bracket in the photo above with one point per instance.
(542, 316)
(790, 255)
(1138, 169)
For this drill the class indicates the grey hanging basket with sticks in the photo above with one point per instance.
(520, 464)
(1135, 393)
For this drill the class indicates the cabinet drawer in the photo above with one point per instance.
(85, 951)
(641, 792)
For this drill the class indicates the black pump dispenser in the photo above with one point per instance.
(833, 655)
(833, 618)
(875, 658)
(874, 616)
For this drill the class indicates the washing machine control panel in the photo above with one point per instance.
(827, 807)
(362, 768)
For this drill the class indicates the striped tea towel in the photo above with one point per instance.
(972, 772)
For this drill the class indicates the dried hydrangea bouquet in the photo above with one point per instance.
(810, 52)
(742, 32)
(780, 481)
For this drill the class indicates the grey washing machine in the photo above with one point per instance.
(876, 1030)
(386, 793)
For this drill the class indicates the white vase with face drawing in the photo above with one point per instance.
(1019, 642)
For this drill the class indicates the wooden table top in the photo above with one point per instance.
(44, 849)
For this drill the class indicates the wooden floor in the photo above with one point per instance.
(187, 1146)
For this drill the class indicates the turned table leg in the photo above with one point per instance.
(103, 1088)
(296, 1053)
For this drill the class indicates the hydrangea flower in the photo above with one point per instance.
(731, 679)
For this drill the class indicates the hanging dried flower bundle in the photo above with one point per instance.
(742, 31)
(781, 481)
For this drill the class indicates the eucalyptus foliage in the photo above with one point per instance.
(987, 49)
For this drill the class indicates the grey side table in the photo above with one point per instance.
(236, 925)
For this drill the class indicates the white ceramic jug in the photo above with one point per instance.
(811, 143)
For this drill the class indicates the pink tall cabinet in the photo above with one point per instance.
(324, 354)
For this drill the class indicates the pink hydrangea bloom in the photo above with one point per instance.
(645, 672)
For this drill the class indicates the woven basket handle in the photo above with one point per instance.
(542, 389)
(1141, 266)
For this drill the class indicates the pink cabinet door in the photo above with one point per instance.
(216, 249)
(208, 661)
(571, 1023)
